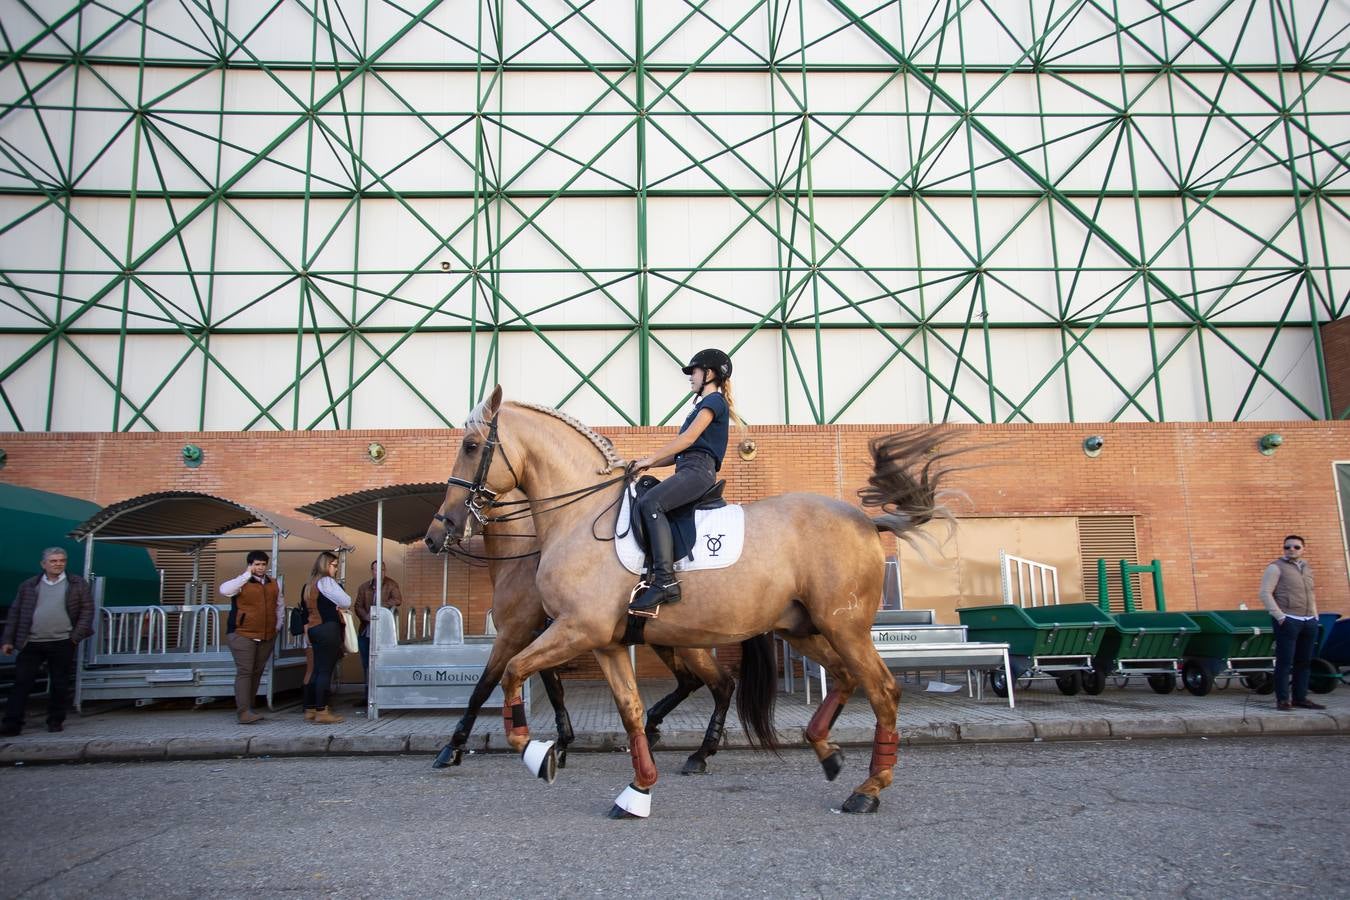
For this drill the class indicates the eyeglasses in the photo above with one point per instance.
(1293, 546)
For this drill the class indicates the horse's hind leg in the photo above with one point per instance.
(554, 688)
(817, 731)
(695, 667)
(635, 801)
(861, 658)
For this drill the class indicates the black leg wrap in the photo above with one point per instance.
(833, 765)
(860, 803)
(560, 754)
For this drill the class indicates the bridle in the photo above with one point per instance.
(482, 499)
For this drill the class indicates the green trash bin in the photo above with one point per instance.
(1231, 643)
(1056, 642)
(1152, 644)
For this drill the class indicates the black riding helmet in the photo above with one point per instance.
(714, 360)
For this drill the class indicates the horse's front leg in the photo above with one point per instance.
(512, 637)
(559, 643)
(635, 802)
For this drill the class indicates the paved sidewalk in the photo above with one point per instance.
(1042, 714)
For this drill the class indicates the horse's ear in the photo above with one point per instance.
(495, 401)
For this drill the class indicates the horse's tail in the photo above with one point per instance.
(756, 690)
(907, 471)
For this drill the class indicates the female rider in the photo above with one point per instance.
(697, 452)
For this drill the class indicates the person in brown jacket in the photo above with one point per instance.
(52, 613)
(391, 597)
(1287, 594)
(257, 612)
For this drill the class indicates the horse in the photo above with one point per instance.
(512, 556)
(822, 603)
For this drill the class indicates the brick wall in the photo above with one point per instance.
(1336, 356)
(1208, 504)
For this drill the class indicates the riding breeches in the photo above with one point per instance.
(694, 474)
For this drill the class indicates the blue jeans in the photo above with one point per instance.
(1294, 639)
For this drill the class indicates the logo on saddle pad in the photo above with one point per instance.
(721, 535)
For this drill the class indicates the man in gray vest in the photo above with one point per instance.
(52, 613)
(1287, 593)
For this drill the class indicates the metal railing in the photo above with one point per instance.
(1037, 584)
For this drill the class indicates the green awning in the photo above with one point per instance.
(32, 520)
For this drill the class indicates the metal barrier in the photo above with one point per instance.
(440, 674)
(151, 652)
(1027, 575)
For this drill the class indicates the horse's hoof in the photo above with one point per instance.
(695, 765)
(541, 758)
(562, 757)
(860, 803)
(833, 765)
(633, 803)
(449, 756)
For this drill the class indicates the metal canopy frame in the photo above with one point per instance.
(1132, 99)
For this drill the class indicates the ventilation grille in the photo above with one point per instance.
(1110, 538)
(177, 569)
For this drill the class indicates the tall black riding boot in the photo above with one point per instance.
(662, 586)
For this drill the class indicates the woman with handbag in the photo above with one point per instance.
(326, 603)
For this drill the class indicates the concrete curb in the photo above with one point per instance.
(41, 751)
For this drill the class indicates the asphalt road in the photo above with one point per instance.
(1194, 818)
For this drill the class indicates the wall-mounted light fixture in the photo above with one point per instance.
(192, 455)
(1093, 444)
(376, 452)
(1269, 443)
(4, 458)
(747, 449)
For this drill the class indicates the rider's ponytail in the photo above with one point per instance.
(731, 405)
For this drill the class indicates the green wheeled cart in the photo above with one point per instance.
(1231, 643)
(1151, 644)
(1056, 642)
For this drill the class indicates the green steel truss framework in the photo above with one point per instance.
(240, 214)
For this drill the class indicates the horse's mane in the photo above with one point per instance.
(602, 443)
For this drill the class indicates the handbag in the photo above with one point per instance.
(298, 619)
(349, 634)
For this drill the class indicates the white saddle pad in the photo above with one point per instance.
(721, 535)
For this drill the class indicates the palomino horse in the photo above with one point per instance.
(512, 556)
(811, 571)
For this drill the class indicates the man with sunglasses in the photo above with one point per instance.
(1287, 593)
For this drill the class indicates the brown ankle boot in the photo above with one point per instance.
(310, 714)
(248, 717)
(325, 717)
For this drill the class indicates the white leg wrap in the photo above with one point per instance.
(536, 757)
(635, 802)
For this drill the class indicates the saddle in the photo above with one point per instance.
(681, 518)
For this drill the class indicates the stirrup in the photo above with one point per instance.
(653, 610)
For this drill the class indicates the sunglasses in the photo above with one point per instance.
(1293, 546)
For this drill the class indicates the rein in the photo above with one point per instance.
(481, 498)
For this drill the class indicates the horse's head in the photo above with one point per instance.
(481, 472)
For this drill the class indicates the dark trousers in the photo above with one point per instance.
(1294, 639)
(250, 661)
(326, 639)
(60, 659)
(694, 474)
